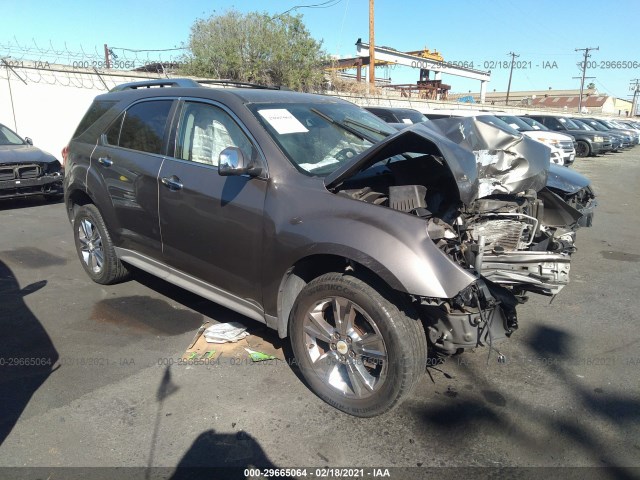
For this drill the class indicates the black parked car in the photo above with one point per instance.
(629, 137)
(398, 115)
(617, 141)
(26, 170)
(587, 143)
(364, 245)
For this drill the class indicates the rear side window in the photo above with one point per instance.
(143, 127)
(113, 134)
(97, 109)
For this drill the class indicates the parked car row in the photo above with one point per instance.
(366, 245)
(593, 136)
(566, 136)
(562, 146)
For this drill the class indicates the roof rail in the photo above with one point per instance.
(236, 83)
(174, 82)
(185, 83)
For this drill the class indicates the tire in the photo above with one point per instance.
(583, 149)
(332, 357)
(95, 248)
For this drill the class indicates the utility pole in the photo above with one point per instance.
(107, 61)
(636, 89)
(584, 70)
(372, 54)
(513, 56)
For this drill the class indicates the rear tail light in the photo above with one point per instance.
(65, 154)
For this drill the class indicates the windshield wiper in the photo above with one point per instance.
(366, 127)
(349, 129)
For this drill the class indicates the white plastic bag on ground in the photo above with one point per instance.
(225, 332)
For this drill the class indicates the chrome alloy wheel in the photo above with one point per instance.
(91, 245)
(345, 347)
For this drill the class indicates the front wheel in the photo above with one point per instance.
(583, 149)
(359, 351)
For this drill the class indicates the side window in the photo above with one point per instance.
(554, 124)
(113, 134)
(143, 126)
(206, 130)
(96, 110)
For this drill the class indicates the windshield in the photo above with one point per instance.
(582, 126)
(614, 124)
(568, 123)
(318, 138)
(515, 122)
(7, 137)
(596, 125)
(411, 116)
(496, 122)
(535, 125)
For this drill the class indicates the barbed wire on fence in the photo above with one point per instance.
(117, 58)
(85, 68)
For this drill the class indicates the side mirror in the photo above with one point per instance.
(28, 141)
(233, 162)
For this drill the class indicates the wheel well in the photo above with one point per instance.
(76, 199)
(312, 267)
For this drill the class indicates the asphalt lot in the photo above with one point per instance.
(567, 396)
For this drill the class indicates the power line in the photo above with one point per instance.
(327, 4)
(151, 50)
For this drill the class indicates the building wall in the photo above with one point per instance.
(49, 106)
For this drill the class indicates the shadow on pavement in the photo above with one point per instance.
(27, 354)
(207, 308)
(464, 417)
(212, 455)
(27, 202)
(222, 456)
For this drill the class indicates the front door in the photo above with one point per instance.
(212, 226)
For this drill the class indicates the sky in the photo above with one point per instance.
(545, 33)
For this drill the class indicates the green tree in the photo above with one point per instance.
(256, 47)
(591, 86)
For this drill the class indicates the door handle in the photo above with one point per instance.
(106, 161)
(172, 182)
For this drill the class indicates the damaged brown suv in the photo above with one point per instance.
(363, 245)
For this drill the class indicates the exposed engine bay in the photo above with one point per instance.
(509, 219)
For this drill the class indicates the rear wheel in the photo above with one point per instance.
(357, 350)
(95, 248)
(583, 149)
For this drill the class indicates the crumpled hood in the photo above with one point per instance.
(24, 154)
(417, 138)
(507, 162)
(483, 158)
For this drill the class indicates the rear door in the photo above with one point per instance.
(211, 225)
(128, 159)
